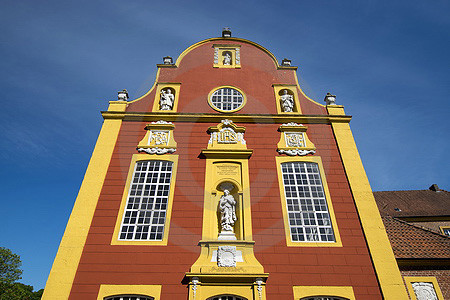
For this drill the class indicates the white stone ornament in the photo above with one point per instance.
(166, 100)
(259, 282)
(158, 139)
(292, 124)
(122, 95)
(424, 291)
(227, 210)
(287, 101)
(157, 150)
(294, 140)
(226, 256)
(330, 99)
(294, 152)
(227, 135)
(195, 281)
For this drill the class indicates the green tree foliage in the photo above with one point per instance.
(9, 273)
(9, 266)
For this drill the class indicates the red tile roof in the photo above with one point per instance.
(414, 203)
(411, 241)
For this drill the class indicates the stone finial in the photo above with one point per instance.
(226, 32)
(286, 62)
(434, 188)
(167, 60)
(330, 99)
(122, 95)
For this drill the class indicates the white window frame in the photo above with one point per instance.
(309, 217)
(148, 202)
(227, 99)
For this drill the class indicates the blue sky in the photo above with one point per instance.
(62, 61)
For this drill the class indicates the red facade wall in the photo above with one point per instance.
(102, 263)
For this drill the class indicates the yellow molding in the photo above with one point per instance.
(216, 118)
(164, 85)
(316, 159)
(301, 292)
(192, 47)
(107, 290)
(151, 89)
(442, 228)
(301, 91)
(64, 267)
(432, 280)
(383, 259)
(220, 49)
(277, 88)
(146, 157)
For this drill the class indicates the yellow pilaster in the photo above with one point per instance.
(62, 274)
(380, 249)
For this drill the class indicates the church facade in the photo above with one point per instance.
(225, 182)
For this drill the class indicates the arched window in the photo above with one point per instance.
(323, 298)
(226, 297)
(129, 297)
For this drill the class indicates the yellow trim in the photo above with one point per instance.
(442, 228)
(151, 89)
(107, 290)
(301, 91)
(311, 291)
(277, 88)
(432, 280)
(192, 47)
(226, 48)
(159, 87)
(157, 131)
(64, 267)
(289, 242)
(140, 157)
(216, 118)
(223, 87)
(383, 259)
(206, 291)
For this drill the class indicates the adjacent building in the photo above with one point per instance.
(418, 226)
(225, 182)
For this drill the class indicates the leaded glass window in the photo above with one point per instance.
(226, 297)
(309, 218)
(129, 297)
(146, 208)
(324, 298)
(227, 99)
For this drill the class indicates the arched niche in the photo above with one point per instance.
(286, 97)
(235, 190)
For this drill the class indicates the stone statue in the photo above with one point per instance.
(227, 206)
(287, 102)
(166, 101)
(227, 59)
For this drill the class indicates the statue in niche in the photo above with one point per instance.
(227, 206)
(287, 101)
(166, 100)
(226, 59)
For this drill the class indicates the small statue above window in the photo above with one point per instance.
(226, 58)
(167, 99)
(287, 101)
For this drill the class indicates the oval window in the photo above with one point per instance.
(226, 99)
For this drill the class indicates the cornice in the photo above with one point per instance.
(216, 118)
